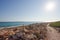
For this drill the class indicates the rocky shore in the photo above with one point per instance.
(29, 32)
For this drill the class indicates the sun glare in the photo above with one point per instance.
(50, 6)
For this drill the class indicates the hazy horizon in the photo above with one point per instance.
(29, 10)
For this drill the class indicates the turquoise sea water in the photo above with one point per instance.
(10, 24)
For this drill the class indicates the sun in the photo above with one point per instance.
(50, 6)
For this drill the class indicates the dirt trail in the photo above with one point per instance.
(52, 33)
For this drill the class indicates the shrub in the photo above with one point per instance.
(55, 24)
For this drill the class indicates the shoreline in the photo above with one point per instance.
(34, 31)
(17, 26)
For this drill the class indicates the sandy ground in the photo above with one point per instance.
(52, 33)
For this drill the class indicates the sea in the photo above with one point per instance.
(14, 24)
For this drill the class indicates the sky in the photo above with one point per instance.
(29, 10)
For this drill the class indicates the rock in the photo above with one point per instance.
(29, 32)
(1, 37)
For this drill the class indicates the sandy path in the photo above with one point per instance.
(52, 33)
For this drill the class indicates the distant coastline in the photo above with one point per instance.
(14, 24)
(4, 25)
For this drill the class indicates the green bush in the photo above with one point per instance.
(55, 24)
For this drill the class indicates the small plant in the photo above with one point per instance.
(55, 24)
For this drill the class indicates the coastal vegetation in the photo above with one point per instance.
(55, 24)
